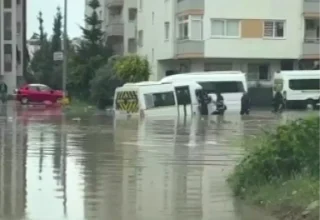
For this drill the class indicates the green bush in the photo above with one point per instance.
(292, 149)
(104, 84)
(132, 68)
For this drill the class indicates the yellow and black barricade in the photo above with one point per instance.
(127, 101)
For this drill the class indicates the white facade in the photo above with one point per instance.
(288, 47)
(119, 23)
(258, 38)
(12, 40)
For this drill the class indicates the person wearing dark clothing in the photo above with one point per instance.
(220, 106)
(245, 104)
(278, 102)
(203, 100)
(3, 91)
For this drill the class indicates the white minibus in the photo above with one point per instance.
(231, 84)
(300, 88)
(157, 99)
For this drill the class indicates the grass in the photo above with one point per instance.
(79, 108)
(280, 170)
(286, 198)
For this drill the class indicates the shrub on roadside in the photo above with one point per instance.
(104, 84)
(292, 149)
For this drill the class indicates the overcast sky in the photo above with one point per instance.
(48, 8)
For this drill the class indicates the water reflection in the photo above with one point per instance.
(53, 167)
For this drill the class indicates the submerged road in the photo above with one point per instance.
(52, 167)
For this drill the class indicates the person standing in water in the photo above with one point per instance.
(3, 91)
(220, 106)
(245, 104)
(203, 100)
(278, 102)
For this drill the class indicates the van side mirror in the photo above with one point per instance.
(52, 91)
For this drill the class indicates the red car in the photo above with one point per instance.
(37, 93)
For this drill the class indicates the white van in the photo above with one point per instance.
(156, 99)
(231, 84)
(300, 88)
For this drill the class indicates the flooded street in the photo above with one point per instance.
(58, 168)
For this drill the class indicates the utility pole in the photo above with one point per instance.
(65, 49)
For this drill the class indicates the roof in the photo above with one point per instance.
(36, 84)
(213, 74)
(299, 72)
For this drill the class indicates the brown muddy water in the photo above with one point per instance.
(91, 168)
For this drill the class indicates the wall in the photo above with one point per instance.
(289, 47)
(155, 47)
(129, 26)
(10, 78)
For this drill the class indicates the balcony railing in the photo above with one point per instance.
(312, 40)
(114, 3)
(115, 20)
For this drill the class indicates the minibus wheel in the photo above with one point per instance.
(310, 104)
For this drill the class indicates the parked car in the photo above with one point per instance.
(37, 93)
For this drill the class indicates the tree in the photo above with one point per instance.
(92, 53)
(104, 84)
(56, 75)
(57, 32)
(42, 34)
(93, 34)
(41, 64)
(132, 68)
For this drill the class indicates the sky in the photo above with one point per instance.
(48, 8)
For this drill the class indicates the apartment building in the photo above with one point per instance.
(12, 41)
(119, 22)
(256, 37)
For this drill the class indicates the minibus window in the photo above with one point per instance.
(163, 99)
(304, 84)
(223, 87)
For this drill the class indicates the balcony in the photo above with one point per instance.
(115, 26)
(190, 6)
(311, 8)
(115, 30)
(189, 48)
(310, 48)
(114, 3)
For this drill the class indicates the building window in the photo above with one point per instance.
(196, 27)
(258, 72)
(166, 30)
(7, 26)
(140, 4)
(274, 29)
(140, 38)
(183, 23)
(18, 2)
(132, 45)
(152, 55)
(152, 17)
(18, 27)
(7, 3)
(132, 14)
(225, 28)
(7, 57)
(190, 27)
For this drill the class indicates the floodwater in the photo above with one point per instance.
(95, 168)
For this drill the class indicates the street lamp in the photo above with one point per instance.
(65, 50)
